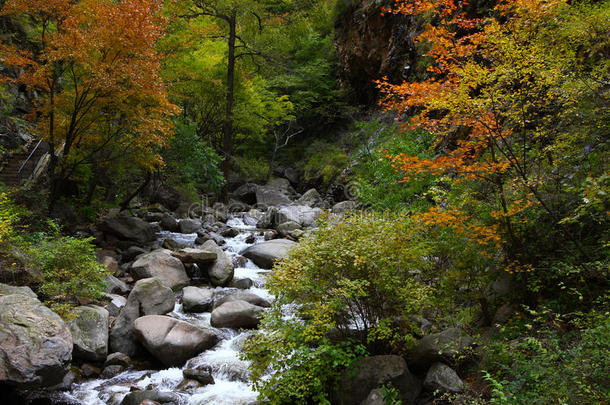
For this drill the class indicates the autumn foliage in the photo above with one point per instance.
(96, 70)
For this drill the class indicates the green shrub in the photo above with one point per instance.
(356, 278)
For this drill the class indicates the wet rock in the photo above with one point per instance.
(90, 333)
(111, 371)
(443, 379)
(189, 225)
(229, 233)
(242, 283)
(239, 261)
(137, 397)
(201, 239)
(118, 359)
(287, 227)
(301, 214)
(203, 376)
(447, 346)
(344, 207)
(172, 244)
(89, 371)
(169, 223)
(265, 253)
(115, 286)
(221, 271)
(188, 385)
(197, 299)
(35, 343)
(247, 296)
(148, 297)
(236, 315)
(191, 255)
(171, 341)
(162, 265)
(373, 372)
(270, 235)
(128, 228)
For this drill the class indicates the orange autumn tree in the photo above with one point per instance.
(95, 69)
(495, 95)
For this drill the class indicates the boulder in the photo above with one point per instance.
(246, 193)
(197, 299)
(268, 197)
(35, 343)
(447, 346)
(236, 315)
(162, 265)
(247, 296)
(172, 341)
(132, 252)
(130, 228)
(112, 371)
(139, 397)
(118, 359)
(115, 286)
(443, 379)
(286, 228)
(192, 255)
(281, 185)
(189, 225)
(221, 271)
(172, 244)
(344, 207)
(301, 214)
(90, 333)
(169, 223)
(148, 297)
(110, 263)
(116, 303)
(242, 283)
(373, 372)
(265, 253)
(203, 376)
(311, 198)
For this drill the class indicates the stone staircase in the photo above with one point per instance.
(19, 167)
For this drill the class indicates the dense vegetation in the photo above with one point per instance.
(483, 178)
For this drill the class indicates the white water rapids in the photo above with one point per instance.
(229, 371)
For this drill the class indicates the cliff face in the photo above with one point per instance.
(371, 46)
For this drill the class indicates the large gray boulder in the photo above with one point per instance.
(281, 185)
(126, 227)
(311, 198)
(161, 264)
(449, 346)
(236, 315)
(301, 214)
(148, 297)
(35, 343)
(373, 372)
(222, 270)
(247, 296)
(193, 255)
(172, 341)
(169, 223)
(246, 193)
(266, 253)
(150, 397)
(344, 207)
(90, 333)
(443, 379)
(197, 299)
(189, 225)
(268, 197)
(114, 285)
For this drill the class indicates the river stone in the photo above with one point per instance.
(221, 271)
(236, 314)
(203, 376)
(311, 198)
(162, 265)
(148, 297)
(447, 346)
(282, 185)
(268, 197)
(90, 333)
(115, 286)
(172, 341)
(128, 228)
(189, 225)
(192, 255)
(132, 252)
(247, 296)
(246, 193)
(169, 223)
(265, 253)
(197, 299)
(344, 207)
(6, 289)
(118, 359)
(242, 283)
(373, 372)
(35, 343)
(116, 303)
(287, 227)
(137, 397)
(443, 379)
(301, 214)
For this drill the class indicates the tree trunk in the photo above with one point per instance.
(227, 144)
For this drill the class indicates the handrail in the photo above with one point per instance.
(27, 160)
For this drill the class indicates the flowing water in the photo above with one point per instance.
(229, 371)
